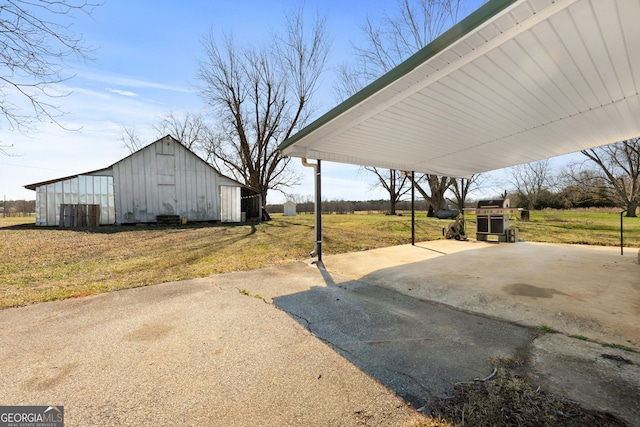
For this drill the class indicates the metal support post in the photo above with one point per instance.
(621, 235)
(318, 212)
(317, 209)
(413, 211)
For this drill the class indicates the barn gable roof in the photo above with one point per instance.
(161, 140)
(65, 178)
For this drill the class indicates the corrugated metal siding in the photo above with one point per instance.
(83, 189)
(166, 178)
(230, 204)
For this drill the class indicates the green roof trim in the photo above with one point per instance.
(455, 33)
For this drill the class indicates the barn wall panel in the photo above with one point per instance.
(230, 204)
(167, 178)
(83, 189)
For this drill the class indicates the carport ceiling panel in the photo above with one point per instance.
(446, 110)
(542, 78)
(443, 126)
(612, 123)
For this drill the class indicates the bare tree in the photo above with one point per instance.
(131, 140)
(463, 186)
(584, 187)
(530, 180)
(394, 182)
(389, 41)
(394, 37)
(4, 149)
(295, 198)
(438, 185)
(36, 43)
(190, 129)
(619, 167)
(261, 96)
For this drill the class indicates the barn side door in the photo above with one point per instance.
(167, 196)
(230, 204)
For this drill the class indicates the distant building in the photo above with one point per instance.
(289, 208)
(162, 181)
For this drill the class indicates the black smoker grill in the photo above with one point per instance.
(493, 220)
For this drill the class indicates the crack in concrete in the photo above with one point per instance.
(376, 365)
(355, 356)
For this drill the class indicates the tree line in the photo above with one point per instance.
(9, 208)
(306, 206)
(608, 176)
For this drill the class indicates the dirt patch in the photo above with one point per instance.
(556, 381)
(509, 400)
(50, 377)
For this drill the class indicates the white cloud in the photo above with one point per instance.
(89, 92)
(129, 81)
(122, 92)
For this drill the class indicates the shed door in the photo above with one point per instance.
(230, 204)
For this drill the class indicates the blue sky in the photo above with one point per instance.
(145, 66)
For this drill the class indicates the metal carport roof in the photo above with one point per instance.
(514, 82)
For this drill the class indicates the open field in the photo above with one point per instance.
(598, 227)
(42, 264)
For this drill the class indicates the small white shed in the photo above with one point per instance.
(290, 208)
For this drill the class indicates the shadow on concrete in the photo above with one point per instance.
(419, 322)
(416, 348)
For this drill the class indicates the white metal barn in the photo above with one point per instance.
(162, 180)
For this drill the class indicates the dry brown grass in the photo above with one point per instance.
(42, 264)
(46, 264)
(509, 400)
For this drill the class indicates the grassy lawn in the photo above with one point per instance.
(42, 264)
(579, 227)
